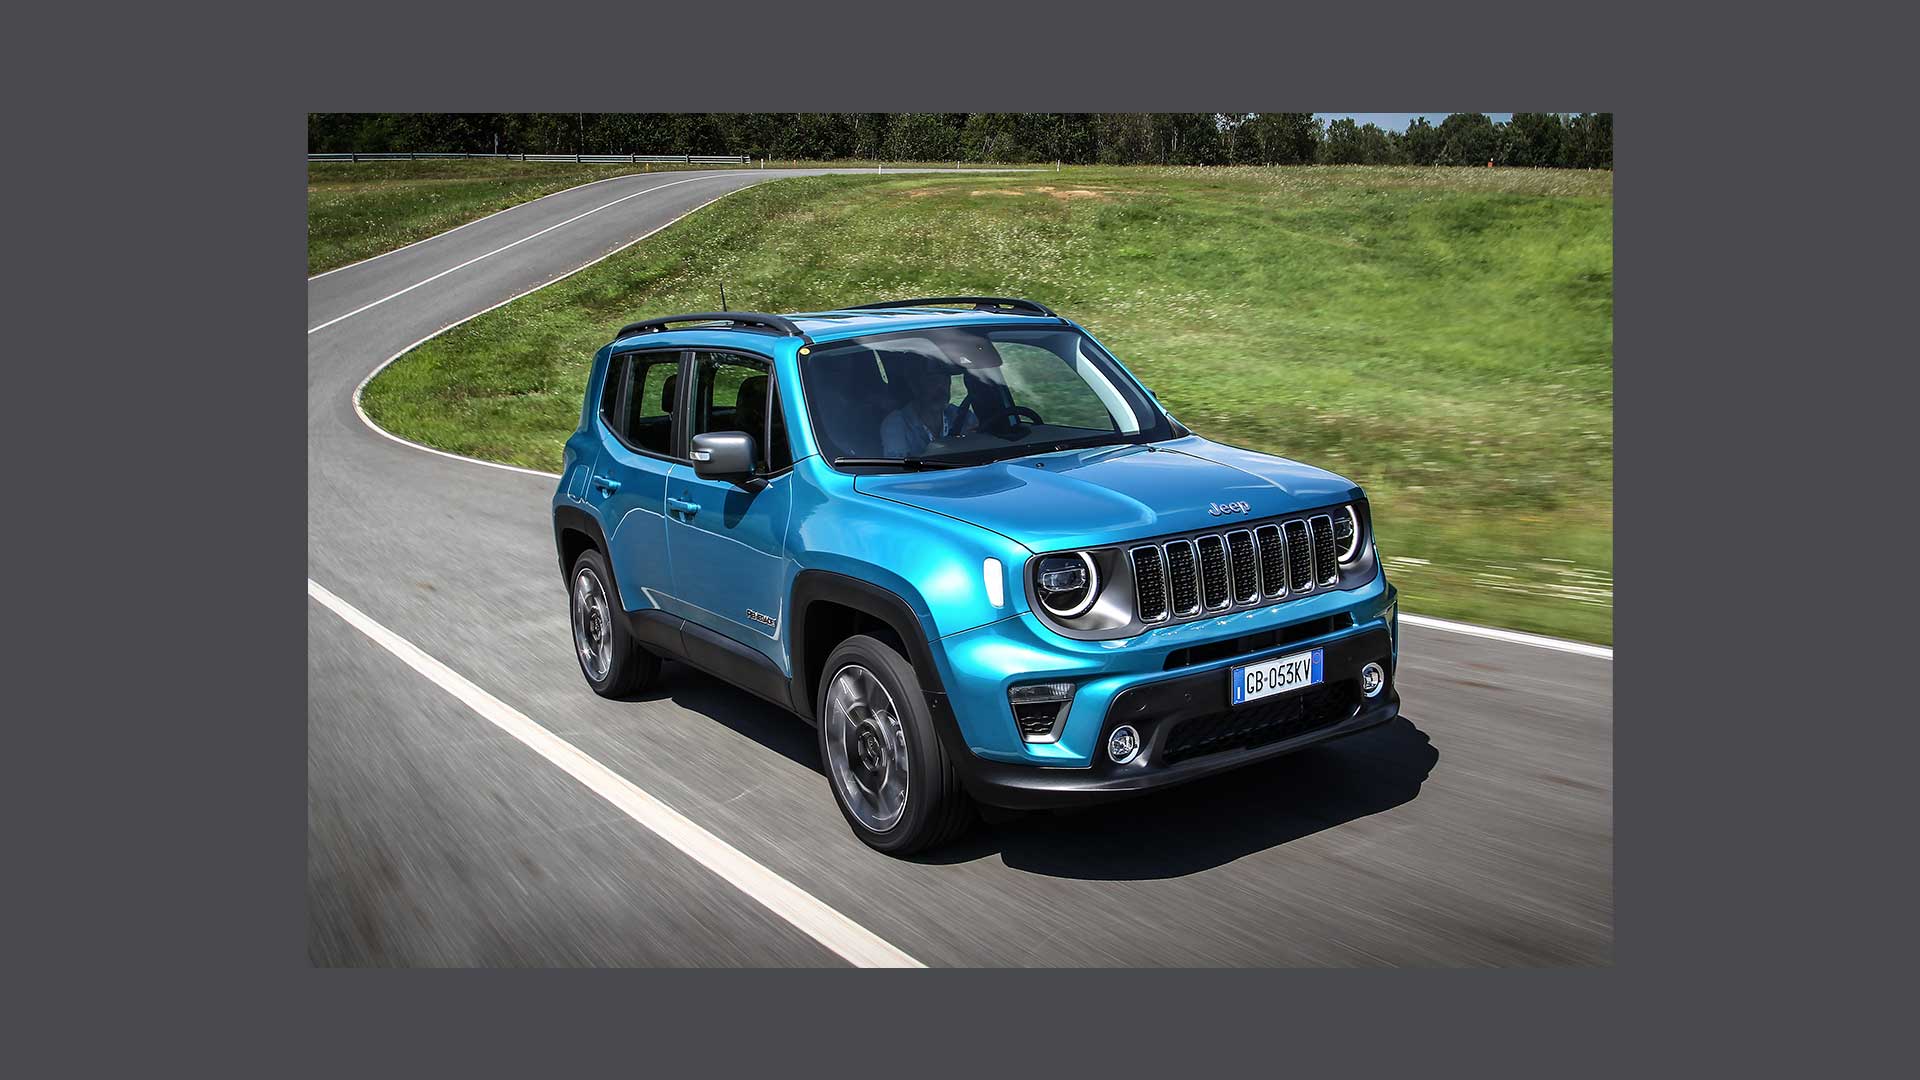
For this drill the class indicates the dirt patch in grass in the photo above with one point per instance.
(1063, 194)
(1076, 193)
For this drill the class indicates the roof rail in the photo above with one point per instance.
(746, 320)
(1023, 307)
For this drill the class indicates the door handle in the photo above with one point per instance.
(606, 483)
(682, 506)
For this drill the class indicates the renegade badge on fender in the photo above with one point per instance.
(958, 537)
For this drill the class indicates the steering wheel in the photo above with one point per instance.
(1006, 422)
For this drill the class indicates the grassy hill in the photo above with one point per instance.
(1442, 336)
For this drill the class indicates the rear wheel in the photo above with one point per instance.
(614, 663)
(889, 772)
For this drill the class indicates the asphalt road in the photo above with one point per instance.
(1476, 830)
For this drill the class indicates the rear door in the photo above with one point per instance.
(726, 541)
(639, 441)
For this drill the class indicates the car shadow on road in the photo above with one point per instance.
(1191, 828)
(729, 706)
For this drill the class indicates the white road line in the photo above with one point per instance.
(504, 247)
(1513, 636)
(846, 938)
(475, 221)
(378, 430)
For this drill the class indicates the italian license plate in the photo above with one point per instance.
(1280, 675)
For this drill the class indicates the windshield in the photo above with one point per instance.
(970, 395)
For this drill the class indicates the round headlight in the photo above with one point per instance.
(1346, 534)
(1067, 584)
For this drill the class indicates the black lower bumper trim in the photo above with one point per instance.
(1189, 729)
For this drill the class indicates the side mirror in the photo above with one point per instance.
(725, 455)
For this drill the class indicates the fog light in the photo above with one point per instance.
(1123, 745)
(1372, 678)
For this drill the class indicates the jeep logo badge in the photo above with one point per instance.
(1219, 509)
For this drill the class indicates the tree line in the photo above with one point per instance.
(1552, 140)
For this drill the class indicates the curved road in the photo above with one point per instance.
(1477, 830)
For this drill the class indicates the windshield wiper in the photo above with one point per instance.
(1021, 450)
(900, 462)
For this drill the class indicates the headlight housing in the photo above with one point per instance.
(1067, 585)
(1081, 592)
(1347, 536)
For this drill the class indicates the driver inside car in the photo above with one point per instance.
(924, 417)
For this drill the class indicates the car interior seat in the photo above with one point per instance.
(750, 407)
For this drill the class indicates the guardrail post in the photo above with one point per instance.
(356, 156)
(411, 156)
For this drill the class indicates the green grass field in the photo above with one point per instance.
(1444, 337)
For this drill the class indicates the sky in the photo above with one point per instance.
(1398, 121)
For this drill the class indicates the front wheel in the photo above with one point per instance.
(889, 772)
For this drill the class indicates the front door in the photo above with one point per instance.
(628, 484)
(726, 541)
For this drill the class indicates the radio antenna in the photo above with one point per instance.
(723, 296)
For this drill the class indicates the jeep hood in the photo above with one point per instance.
(1111, 495)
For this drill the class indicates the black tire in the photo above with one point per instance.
(630, 667)
(937, 809)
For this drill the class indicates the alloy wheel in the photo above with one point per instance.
(866, 748)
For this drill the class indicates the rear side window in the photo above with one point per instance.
(637, 405)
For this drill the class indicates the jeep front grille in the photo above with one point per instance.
(1273, 560)
(1326, 571)
(1246, 570)
(1183, 579)
(1211, 572)
(1299, 556)
(1149, 582)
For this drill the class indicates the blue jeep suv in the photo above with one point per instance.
(963, 541)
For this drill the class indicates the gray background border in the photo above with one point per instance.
(165, 790)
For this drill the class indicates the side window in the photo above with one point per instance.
(735, 393)
(638, 403)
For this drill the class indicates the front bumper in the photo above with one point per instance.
(1188, 727)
